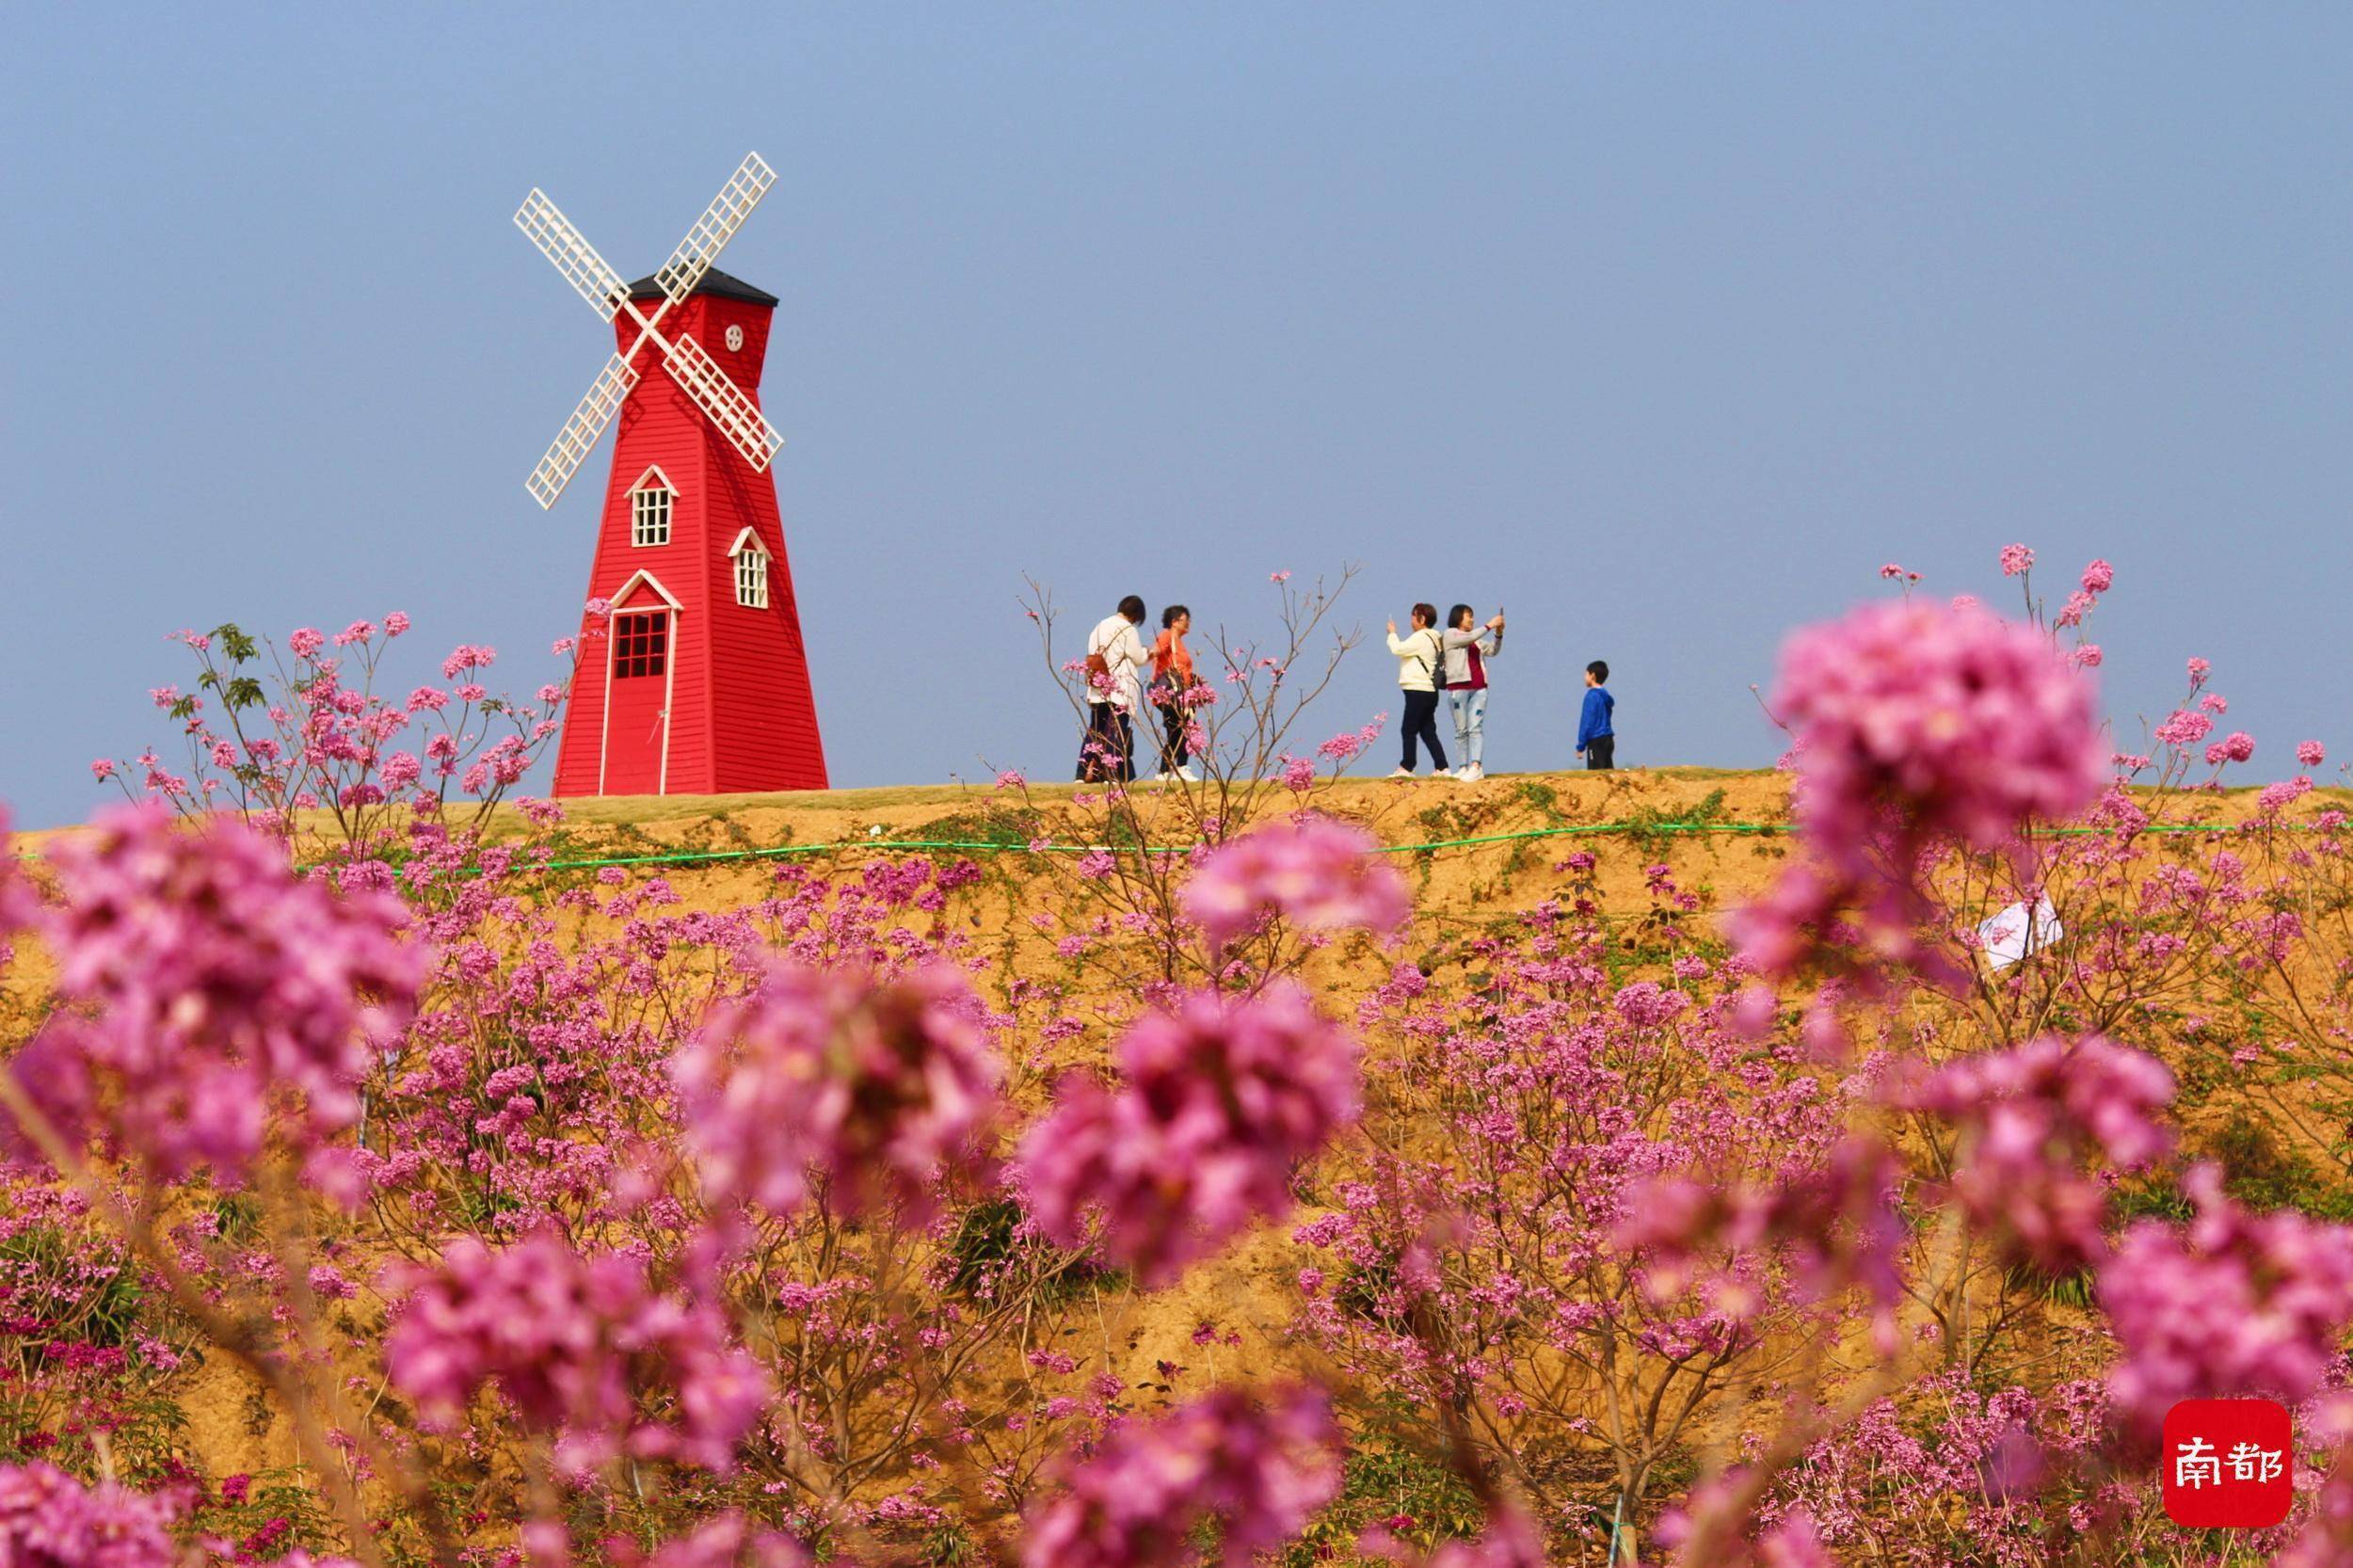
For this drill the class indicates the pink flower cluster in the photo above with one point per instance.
(2233, 1304)
(50, 1520)
(1219, 1098)
(2238, 746)
(2185, 727)
(573, 1341)
(1709, 1527)
(2016, 560)
(1313, 871)
(1834, 1219)
(2032, 1116)
(1347, 745)
(467, 657)
(729, 1540)
(1258, 1467)
(878, 1089)
(2275, 797)
(216, 984)
(1932, 720)
(1915, 723)
(1948, 1462)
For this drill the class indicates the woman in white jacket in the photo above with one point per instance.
(1420, 672)
(1116, 655)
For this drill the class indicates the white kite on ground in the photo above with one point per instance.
(2013, 934)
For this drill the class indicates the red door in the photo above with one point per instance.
(636, 716)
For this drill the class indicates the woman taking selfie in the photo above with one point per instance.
(1420, 673)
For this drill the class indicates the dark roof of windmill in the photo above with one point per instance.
(725, 284)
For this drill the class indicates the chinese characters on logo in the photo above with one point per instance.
(2226, 1464)
(2198, 1465)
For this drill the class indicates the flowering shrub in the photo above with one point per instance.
(47, 1516)
(572, 1343)
(2029, 1118)
(1317, 874)
(544, 1214)
(217, 985)
(276, 741)
(880, 1089)
(2182, 1300)
(1258, 1471)
(1218, 1101)
(1917, 725)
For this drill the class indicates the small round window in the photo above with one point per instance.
(735, 338)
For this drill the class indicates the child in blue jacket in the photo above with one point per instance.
(1596, 741)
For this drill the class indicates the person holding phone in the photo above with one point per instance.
(1468, 650)
(1420, 671)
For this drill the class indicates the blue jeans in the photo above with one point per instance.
(1471, 722)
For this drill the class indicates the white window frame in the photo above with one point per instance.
(652, 509)
(751, 571)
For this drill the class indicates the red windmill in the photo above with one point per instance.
(700, 685)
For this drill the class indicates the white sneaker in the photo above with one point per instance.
(1190, 774)
(1403, 773)
(1472, 774)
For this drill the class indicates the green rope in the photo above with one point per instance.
(1734, 829)
(994, 847)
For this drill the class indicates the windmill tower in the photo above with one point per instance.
(697, 683)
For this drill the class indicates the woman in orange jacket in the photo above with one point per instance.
(1172, 678)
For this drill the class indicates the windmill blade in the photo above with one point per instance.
(730, 409)
(591, 277)
(579, 435)
(718, 224)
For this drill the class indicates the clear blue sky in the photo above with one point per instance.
(1664, 326)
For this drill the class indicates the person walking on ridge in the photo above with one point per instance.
(1420, 665)
(1466, 655)
(1172, 678)
(1114, 692)
(1597, 740)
